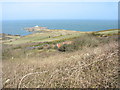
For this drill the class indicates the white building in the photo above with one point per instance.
(36, 26)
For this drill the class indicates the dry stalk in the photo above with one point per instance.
(19, 84)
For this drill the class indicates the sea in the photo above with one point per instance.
(16, 27)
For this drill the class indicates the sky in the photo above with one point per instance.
(59, 0)
(59, 10)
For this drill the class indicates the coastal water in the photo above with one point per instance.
(17, 26)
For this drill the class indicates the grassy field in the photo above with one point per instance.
(52, 35)
(109, 32)
(48, 36)
(34, 61)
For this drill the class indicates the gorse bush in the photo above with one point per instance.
(68, 47)
(79, 43)
(86, 40)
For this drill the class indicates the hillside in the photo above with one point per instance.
(90, 61)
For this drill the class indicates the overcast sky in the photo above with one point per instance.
(59, 10)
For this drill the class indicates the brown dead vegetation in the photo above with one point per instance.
(89, 67)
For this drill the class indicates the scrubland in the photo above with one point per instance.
(91, 61)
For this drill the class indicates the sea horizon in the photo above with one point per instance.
(16, 27)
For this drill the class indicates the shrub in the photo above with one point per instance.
(68, 47)
(86, 40)
(55, 47)
(63, 48)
